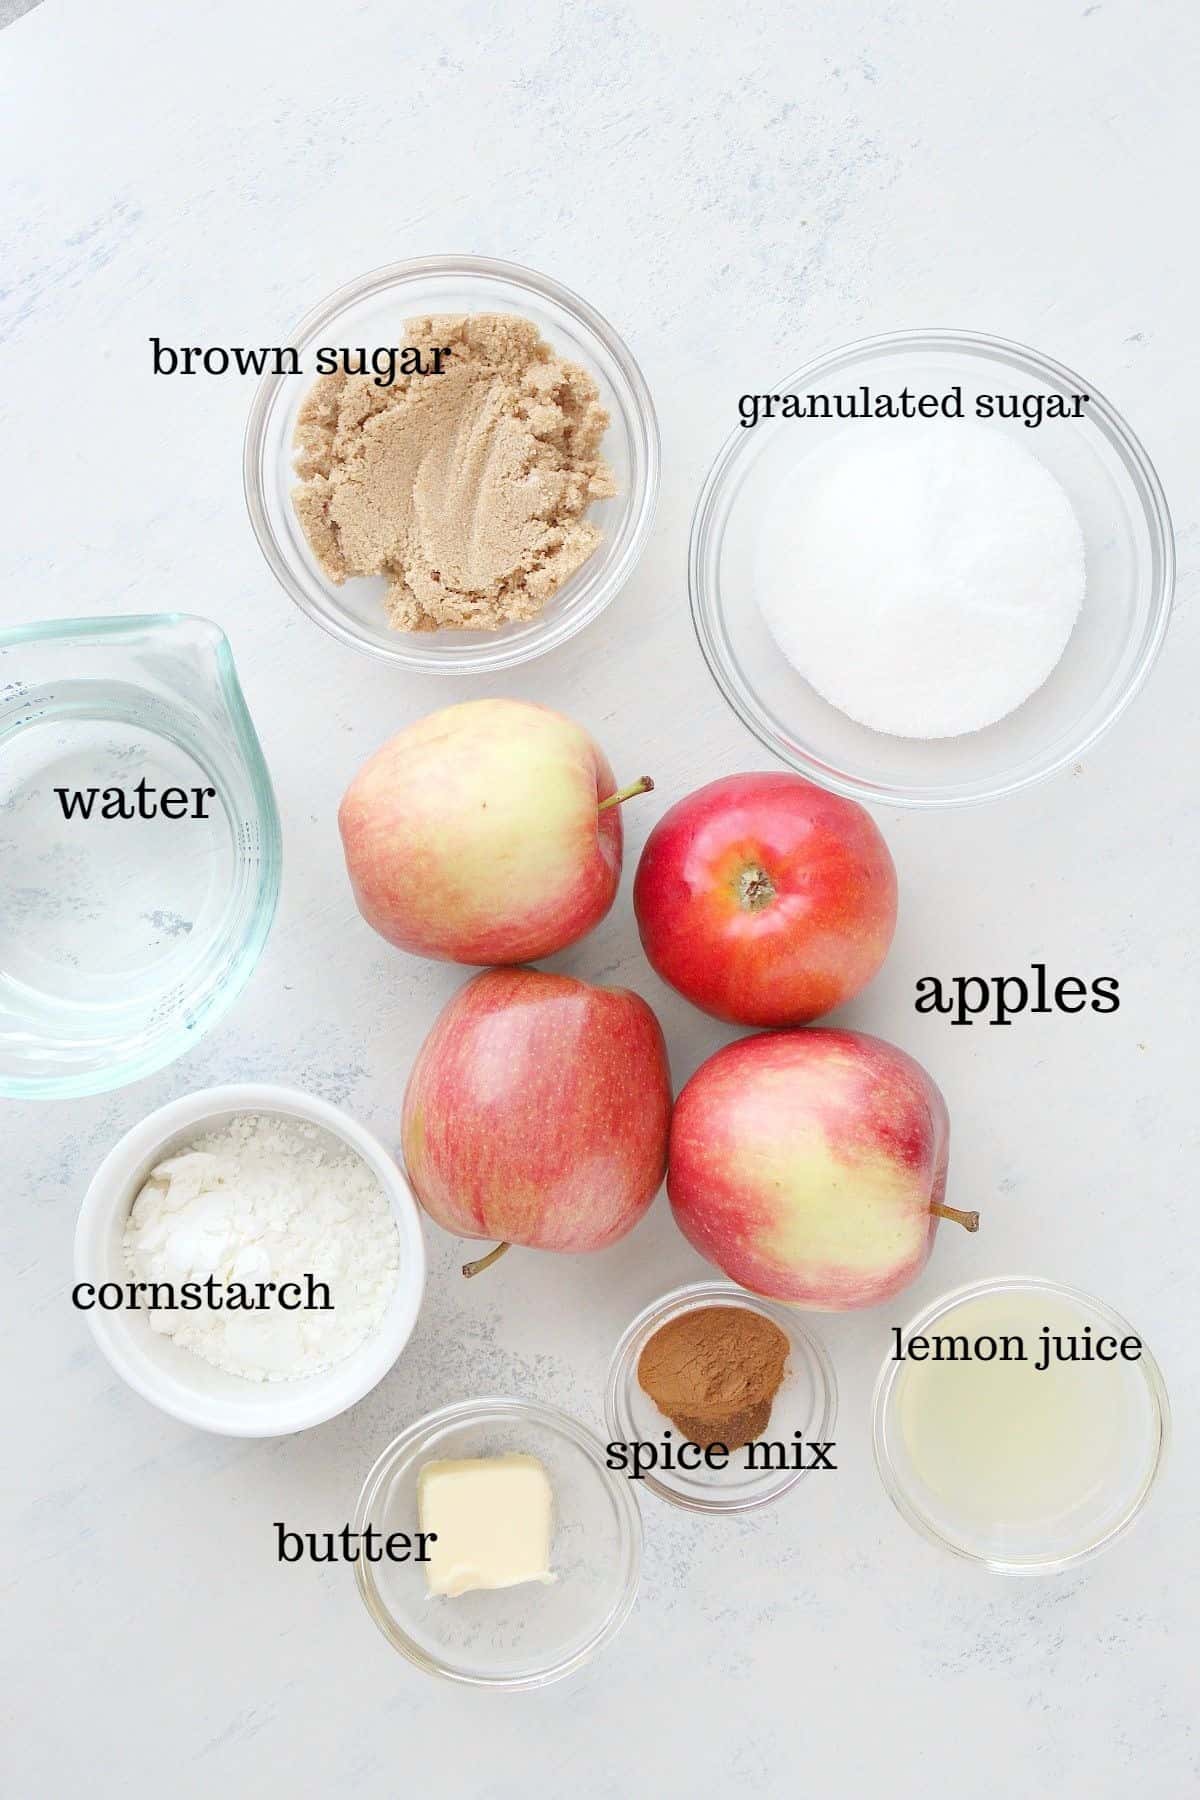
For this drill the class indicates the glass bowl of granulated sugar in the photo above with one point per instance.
(931, 568)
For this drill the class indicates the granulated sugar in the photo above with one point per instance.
(924, 583)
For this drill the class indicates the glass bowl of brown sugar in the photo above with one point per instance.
(363, 323)
(793, 1440)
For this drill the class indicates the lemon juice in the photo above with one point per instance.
(1020, 1423)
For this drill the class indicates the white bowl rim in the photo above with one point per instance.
(110, 1188)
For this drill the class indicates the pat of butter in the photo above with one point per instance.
(490, 1521)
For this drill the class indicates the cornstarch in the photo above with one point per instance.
(267, 1198)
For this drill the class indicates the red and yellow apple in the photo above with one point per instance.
(766, 900)
(537, 1112)
(810, 1166)
(486, 833)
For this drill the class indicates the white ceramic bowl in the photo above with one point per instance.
(178, 1381)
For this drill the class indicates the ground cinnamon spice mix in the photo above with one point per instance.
(715, 1373)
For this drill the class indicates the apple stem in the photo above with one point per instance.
(968, 1220)
(755, 889)
(484, 1262)
(642, 785)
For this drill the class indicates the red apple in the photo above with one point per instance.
(486, 833)
(537, 1112)
(811, 1166)
(766, 900)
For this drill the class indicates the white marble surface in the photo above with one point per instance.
(735, 196)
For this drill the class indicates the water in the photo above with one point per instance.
(106, 924)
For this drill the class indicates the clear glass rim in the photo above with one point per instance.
(622, 1370)
(554, 1419)
(885, 1388)
(190, 1027)
(703, 552)
(643, 424)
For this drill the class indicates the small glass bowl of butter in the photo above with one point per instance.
(536, 1631)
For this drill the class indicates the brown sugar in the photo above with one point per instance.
(466, 488)
(715, 1373)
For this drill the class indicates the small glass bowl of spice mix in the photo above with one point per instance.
(720, 1401)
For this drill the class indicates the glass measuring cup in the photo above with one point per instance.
(139, 847)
